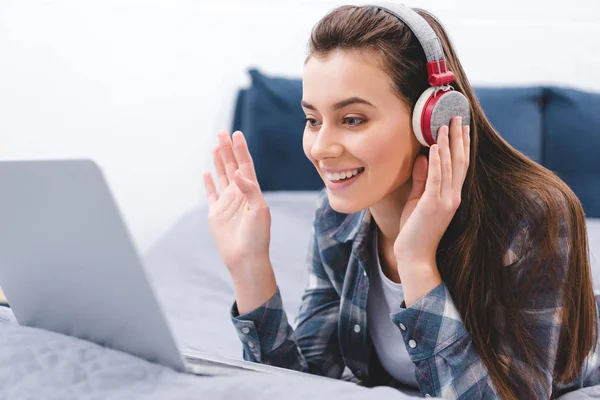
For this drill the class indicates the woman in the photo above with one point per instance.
(460, 268)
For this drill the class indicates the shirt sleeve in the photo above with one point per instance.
(446, 361)
(312, 347)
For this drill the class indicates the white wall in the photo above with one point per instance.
(142, 87)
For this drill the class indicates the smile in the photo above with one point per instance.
(340, 176)
(341, 180)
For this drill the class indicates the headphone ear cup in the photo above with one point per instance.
(433, 111)
(418, 115)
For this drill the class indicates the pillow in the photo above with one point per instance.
(270, 115)
(516, 114)
(572, 143)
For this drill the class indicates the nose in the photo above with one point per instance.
(326, 144)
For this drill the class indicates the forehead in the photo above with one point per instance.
(345, 73)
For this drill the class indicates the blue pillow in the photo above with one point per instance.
(270, 115)
(534, 120)
(516, 114)
(572, 143)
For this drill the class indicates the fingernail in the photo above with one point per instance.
(468, 129)
(459, 121)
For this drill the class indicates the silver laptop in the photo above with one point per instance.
(68, 265)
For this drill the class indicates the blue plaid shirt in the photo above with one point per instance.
(331, 327)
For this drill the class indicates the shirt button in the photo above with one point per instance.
(401, 325)
(365, 273)
(245, 330)
(251, 345)
(357, 328)
(412, 344)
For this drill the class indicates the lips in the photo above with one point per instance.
(343, 174)
(335, 181)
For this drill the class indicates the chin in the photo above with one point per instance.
(345, 205)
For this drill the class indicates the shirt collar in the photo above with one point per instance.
(355, 228)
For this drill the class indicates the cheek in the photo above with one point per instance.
(307, 144)
(391, 160)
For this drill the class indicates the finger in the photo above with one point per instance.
(445, 160)
(419, 177)
(457, 151)
(211, 191)
(250, 189)
(220, 169)
(243, 157)
(227, 154)
(434, 172)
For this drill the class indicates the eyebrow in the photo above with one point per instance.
(340, 104)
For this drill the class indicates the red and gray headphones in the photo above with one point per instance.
(439, 103)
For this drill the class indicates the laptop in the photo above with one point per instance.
(68, 265)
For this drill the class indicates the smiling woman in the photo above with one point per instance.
(441, 259)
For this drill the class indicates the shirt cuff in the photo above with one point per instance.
(429, 325)
(263, 329)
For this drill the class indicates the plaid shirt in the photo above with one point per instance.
(331, 327)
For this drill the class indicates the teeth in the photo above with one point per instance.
(342, 175)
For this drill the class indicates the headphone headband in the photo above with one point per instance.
(438, 104)
(437, 66)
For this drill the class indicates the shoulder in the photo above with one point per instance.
(544, 234)
(541, 214)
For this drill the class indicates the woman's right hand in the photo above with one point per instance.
(240, 222)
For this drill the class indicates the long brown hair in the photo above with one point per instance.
(506, 196)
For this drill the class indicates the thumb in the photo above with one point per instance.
(419, 177)
(249, 189)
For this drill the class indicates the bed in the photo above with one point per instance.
(195, 290)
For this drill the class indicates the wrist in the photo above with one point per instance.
(251, 270)
(254, 286)
(418, 279)
(416, 264)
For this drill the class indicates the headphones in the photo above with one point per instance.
(439, 103)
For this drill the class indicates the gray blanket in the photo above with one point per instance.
(195, 291)
(43, 365)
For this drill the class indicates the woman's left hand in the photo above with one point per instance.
(434, 197)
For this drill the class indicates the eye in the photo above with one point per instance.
(311, 123)
(354, 121)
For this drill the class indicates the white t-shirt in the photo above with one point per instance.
(385, 297)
